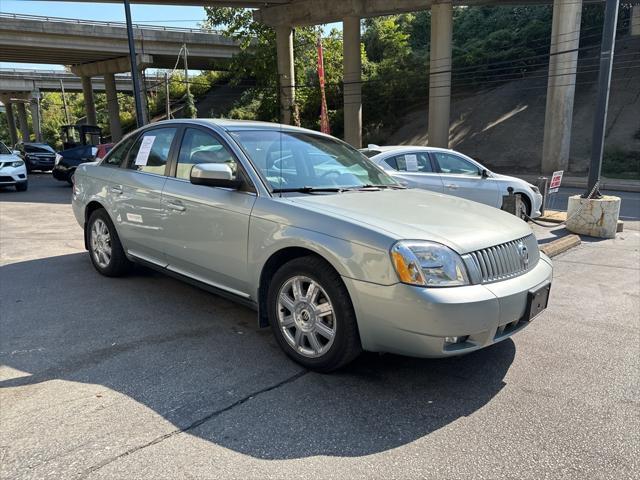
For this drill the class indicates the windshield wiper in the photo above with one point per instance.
(309, 189)
(372, 186)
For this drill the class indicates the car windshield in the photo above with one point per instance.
(4, 150)
(303, 161)
(38, 148)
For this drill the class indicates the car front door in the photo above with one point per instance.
(416, 169)
(462, 178)
(136, 191)
(207, 227)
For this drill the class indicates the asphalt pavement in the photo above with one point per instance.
(147, 377)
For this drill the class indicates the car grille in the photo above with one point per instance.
(6, 179)
(503, 261)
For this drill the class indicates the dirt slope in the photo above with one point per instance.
(503, 126)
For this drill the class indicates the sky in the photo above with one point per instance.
(173, 16)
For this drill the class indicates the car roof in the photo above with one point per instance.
(406, 148)
(237, 125)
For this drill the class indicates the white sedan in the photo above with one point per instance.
(450, 172)
(12, 169)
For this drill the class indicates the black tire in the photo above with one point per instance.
(346, 342)
(22, 186)
(118, 264)
(70, 176)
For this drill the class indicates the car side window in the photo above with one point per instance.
(411, 162)
(202, 147)
(115, 158)
(453, 164)
(150, 152)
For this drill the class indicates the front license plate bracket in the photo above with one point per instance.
(537, 301)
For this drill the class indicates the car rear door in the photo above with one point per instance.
(136, 190)
(207, 227)
(416, 169)
(463, 178)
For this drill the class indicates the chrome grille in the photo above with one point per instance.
(503, 261)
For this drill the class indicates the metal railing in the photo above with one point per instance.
(40, 18)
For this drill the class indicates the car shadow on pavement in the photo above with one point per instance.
(200, 362)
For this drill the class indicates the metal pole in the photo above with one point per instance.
(604, 84)
(64, 103)
(134, 65)
(166, 95)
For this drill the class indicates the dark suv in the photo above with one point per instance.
(37, 156)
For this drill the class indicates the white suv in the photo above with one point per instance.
(12, 169)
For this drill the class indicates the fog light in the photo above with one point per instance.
(456, 339)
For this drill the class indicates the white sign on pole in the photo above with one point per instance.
(145, 149)
(556, 180)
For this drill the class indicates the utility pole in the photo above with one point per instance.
(166, 95)
(186, 68)
(602, 102)
(134, 65)
(64, 103)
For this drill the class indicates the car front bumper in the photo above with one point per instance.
(415, 321)
(12, 175)
(41, 163)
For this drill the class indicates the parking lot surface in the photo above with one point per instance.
(147, 377)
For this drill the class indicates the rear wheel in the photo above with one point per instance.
(312, 316)
(105, 249)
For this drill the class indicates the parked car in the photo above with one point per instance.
(68, 160)
(447, 171)
(333, 252)
(12, 170)
(36, 156)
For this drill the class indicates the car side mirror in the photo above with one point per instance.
(484, 173)
(16, 152)
(214, 175)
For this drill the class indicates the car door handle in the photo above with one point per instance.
(116, 189)
(178, 207)
(452, 186)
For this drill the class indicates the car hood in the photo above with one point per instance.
(9, 157)
(415, 214)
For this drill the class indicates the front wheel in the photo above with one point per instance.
(22, 186)
(105, 249)
(312, 316)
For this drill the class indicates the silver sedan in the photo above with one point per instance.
(333, 253)
(447, 171)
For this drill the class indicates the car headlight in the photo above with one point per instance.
(428, 264)
(58, 158)
(17, 163)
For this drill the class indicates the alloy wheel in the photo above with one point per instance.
(101, 243)
(306, 316)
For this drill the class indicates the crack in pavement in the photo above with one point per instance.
(193, 425)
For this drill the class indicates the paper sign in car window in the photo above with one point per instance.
(412, 162)
(145, 149)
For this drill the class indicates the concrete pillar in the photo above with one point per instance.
(286, 72)
(112, 106)
(143, 97)
(352, 81)
(635, 20)
(35, 118)
(440, 73)
(565, 36)
(22, 119)
(89, 102)
(11, 123)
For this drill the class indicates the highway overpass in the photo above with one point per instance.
(20, 80)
